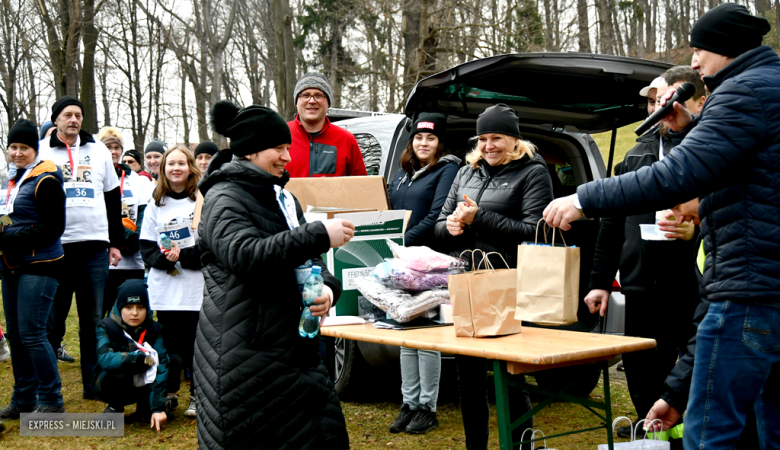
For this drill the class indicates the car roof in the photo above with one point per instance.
(588, 92)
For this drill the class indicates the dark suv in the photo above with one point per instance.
(560, 98)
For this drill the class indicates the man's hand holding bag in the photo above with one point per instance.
(548, 282)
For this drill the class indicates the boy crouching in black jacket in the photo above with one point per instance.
(122, 366)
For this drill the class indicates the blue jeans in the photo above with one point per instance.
(737, 367)
(85, 275)
(420, 371)
(27, 300)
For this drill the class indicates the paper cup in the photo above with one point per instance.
(445, 313)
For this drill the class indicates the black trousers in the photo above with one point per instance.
(667, 319)
(178, 334)
(115, 279)
(473, 386)
(117, 389)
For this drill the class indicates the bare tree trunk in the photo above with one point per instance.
(605, 27)
(583, 37)
(410, 29)
(33, 107)
(619, 49)
(285, 58)
(184, 114)
(668, 32)
(651, 28)
(104, 89)
(762, 6)
(685, 21)
(549, 43)
(777, 21)
(88, 94)
(641, 14)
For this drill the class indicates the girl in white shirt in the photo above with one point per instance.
(175, 279)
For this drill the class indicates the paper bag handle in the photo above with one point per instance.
(615, 422)
(636, 427)
(488, 264)
(544, 231)
(473, 252)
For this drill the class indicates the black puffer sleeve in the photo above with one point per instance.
(537, 194)
(242, 248)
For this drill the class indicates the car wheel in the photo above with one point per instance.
(344, 355)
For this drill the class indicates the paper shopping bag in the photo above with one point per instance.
(484, 301)
(548, 282)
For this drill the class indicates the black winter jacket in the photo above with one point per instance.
(259, 384)
(424, 196)
(510, 206)
(645, 266)
(730, 159)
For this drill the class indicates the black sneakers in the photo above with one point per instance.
(403, 419)
(424, 420)
(11, 412)
(40, 409)
(110, 410)
(625, 432)
(63, 355)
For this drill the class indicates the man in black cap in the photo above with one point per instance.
(730, 161)
(93, 229)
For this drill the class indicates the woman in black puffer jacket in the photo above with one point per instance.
(259, 384)
(494, 205)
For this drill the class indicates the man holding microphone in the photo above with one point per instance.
(730, 160)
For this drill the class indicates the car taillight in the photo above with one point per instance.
(615, 286)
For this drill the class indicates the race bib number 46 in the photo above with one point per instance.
(179, 232)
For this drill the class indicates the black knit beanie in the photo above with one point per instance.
(62, 103)
(434, 123)
(136, 155)
(251, 129)
(728, 30)
(24, 132)
(207, 147)
(156, 146)
(499, 119)
(313, 80)
(132, 292)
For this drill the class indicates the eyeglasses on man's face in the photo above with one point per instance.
(318, 97)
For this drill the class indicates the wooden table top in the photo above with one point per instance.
(531, 350)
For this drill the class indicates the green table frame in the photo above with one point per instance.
(503, 380)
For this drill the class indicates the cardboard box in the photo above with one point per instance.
(320, 213)
(361, 254)
(368, 192)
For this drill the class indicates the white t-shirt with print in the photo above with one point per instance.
(183, 292)
(134, 194)
(85, 214)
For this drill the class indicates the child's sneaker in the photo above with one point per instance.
(191, 410)
(5, 352)
(171, 403)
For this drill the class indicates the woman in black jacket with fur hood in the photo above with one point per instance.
(494, 205)
(259, 384)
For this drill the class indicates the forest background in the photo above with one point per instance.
(155, 67)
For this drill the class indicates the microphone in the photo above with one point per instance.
(682, 94)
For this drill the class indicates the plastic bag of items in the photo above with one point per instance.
(400, 305)
(395, 273)
(423, 259)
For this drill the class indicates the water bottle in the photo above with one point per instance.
(302, 272)
(312, 289)
(166, 243)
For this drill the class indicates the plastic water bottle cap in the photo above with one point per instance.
(315, 270)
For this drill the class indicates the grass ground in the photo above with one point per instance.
(625, 141)
(367, 420)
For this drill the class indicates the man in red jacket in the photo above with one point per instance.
(319, 148)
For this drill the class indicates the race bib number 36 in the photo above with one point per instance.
(79, 194)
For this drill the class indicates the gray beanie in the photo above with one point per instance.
(313, 80)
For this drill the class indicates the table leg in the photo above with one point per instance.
(608, 406)
(501, 380)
